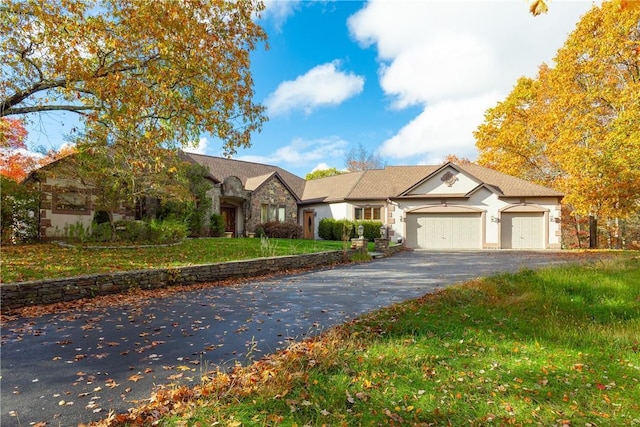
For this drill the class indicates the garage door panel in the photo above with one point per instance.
(444, 231)
(522, 231)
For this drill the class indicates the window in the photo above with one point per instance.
(281, 214)
(368, 213)
(71, 201)
(273, 213)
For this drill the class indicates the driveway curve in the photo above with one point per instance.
(72, 368)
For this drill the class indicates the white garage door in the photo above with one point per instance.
(444, 231)
(523, 230)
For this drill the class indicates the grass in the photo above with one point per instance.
(556, 347)
(47, 261)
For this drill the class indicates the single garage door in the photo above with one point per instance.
(523, 230)
(444, 231)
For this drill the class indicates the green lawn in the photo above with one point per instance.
(557, 347)
(45, 261)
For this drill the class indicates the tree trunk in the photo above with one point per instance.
(113, 226)
(593, 232)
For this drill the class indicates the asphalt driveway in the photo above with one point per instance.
(73, 368)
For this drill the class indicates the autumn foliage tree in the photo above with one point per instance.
(576, 126)
(145, 78)
(161, 71)
(15, 161)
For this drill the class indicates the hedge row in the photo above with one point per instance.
(343, 229)
(279, 230)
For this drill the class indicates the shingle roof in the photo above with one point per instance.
(249, 173)
(392, 181)
(331, 188)
(510, 186)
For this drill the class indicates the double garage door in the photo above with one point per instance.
(522, 230)
(444, 231)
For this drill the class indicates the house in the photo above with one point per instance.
(247, 194)
(448, 206)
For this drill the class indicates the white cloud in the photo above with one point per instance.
(300, 153)
(456, 59)
(442, 128)
(321, 86)
(321, 166)
(200, 148)
(279, 10)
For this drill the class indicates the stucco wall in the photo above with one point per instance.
(53, 222)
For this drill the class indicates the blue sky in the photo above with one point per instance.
(409, 80)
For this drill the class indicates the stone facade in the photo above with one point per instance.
(275, 194)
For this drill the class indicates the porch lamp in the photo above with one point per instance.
(361, 231)
(383, 232)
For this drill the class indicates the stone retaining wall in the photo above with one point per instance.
(22, 294)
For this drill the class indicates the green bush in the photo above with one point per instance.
(343, 229)
(331, 229)
(281, 230)
(167, 231)
(77, 232)
(371, 229)
(325, 229)
(101, 232)
(217, 225)
(170, 230)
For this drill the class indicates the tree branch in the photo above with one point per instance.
(39, 108)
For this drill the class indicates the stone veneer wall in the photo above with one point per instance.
(275, 194)
(22, 294)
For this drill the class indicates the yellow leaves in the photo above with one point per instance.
(573, 126)
(537, 7)
(627, 4)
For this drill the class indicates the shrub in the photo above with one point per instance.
(371, 229)
(167, 231)
(101, 232)
(217, 225)
(325, 229)
(343, 229)
(331, 229)
(77, 232)
(281, 230)
(260, 231)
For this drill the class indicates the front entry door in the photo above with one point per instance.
(229, 215)
(309, 226)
